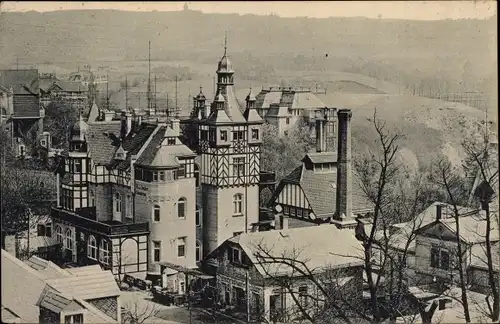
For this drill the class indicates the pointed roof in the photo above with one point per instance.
(225, 65)
(79, 130)
(201, 95)
(94, 113)
(250, 97)
(251, 114)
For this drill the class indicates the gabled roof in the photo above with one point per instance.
(26, 106)
(57, 302)
(277, 110)
(21, 81)
(322, 157)
(292, 99)
(102, 141)
(232, 107)
(320, 247)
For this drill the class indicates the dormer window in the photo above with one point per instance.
(171, 141)
(73, 319)
(255, 134)
(223, 135)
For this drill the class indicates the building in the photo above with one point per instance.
(227, 139)
(324, 188)
(6, 103)
(252, 263)
(38, 291)
(73, 93)
(286, 107)
(24, 115)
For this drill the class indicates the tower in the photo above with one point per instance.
(74, 185)
(229, 145)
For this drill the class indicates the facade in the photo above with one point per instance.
(322, 189)
(227, 139)
(244, 267)
(54, 295)
(127, 194)
(71, 92)
(24, 114)
(286, 107)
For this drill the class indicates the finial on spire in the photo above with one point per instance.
(201, 89)
(225, 43)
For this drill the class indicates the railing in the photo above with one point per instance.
(96, 226)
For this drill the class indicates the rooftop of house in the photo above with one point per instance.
(68, 86)
(320, 247)
(79, 285)
(320, 187)
(21, 81)
(291, 98)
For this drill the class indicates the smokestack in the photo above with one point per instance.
(343, 214)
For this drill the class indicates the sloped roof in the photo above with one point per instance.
(133, 143)
(278, 111)
(47, 83)
(46, 268)
(265, 98)
(70, 86)
(292, 99)
(57, 302)
(232, 107)
(306, 100)
(26, 105)
(21, 81)
(320, 247)
(473, 228)
(102, 141)
(479, 256)
(321, 157)
(8, 316)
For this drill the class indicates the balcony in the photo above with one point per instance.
(111, 228)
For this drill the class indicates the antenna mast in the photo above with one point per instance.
(107, 92)
(176, 106)
(155, 95)
(149, 78)
(126, 93)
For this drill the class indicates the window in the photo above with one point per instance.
(59, 234)
(288, 121)
(73, 319)
(181, 247)
(303, 296)
(238, 204)
(255, 134)
(211, 135)
(197, 175)
(171, 141)
(235, 255)
(91, 198)
(239, 166)
(156, 251)
(162, 175)
(198, 251)
(223, 135)
(440, 258)
(198, 216)
(68, 242)
(155, 176)
(238, 135)
(181, 208)
(182, 287)
(156, 213)
(92, 248)
(104, 252)
(204, 134)
(130, 206)
(78, 166)
(118, 203)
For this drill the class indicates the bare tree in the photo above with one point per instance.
(480, 161)
(447, 177)
(137, 312)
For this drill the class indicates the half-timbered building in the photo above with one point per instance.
(227, 139)
(323, 188)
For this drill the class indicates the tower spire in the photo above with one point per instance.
(225, 43)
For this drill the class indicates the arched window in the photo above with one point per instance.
(199, 251)
(92, 248)
(198, 216)
(59, 234)
(91, 198)
(68, 242)
(104, 251)
(181, 208)
(156, 213)
(238, 204)
(118, 203)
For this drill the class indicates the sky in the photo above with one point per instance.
(414, 10)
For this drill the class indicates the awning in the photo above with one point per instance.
(182, 269)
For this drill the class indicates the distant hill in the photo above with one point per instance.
(391, 48)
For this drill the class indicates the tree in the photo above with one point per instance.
(139, 311)
(480, 161)
(59, 118)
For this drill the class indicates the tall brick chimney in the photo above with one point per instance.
(343, 216)
(320, 131)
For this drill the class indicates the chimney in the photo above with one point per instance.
(108, 115)
(280, 221)
(439, 211)
(320, 131)
(175, 124)
(343, 215)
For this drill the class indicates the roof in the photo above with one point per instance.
(322, 157)
(133, 143)
(91, 283)
(26, 105)
(157, 154)
(57, 302)
(21, 81)
(232, 107)
(320, 247)
(473, 228)
(277, 110)
(46, 268)
(46, 83)
(69, 86)
(479, 256)
(292, 99)
(102, 141)
(320, 187)
(18, 276)
(8, 316)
